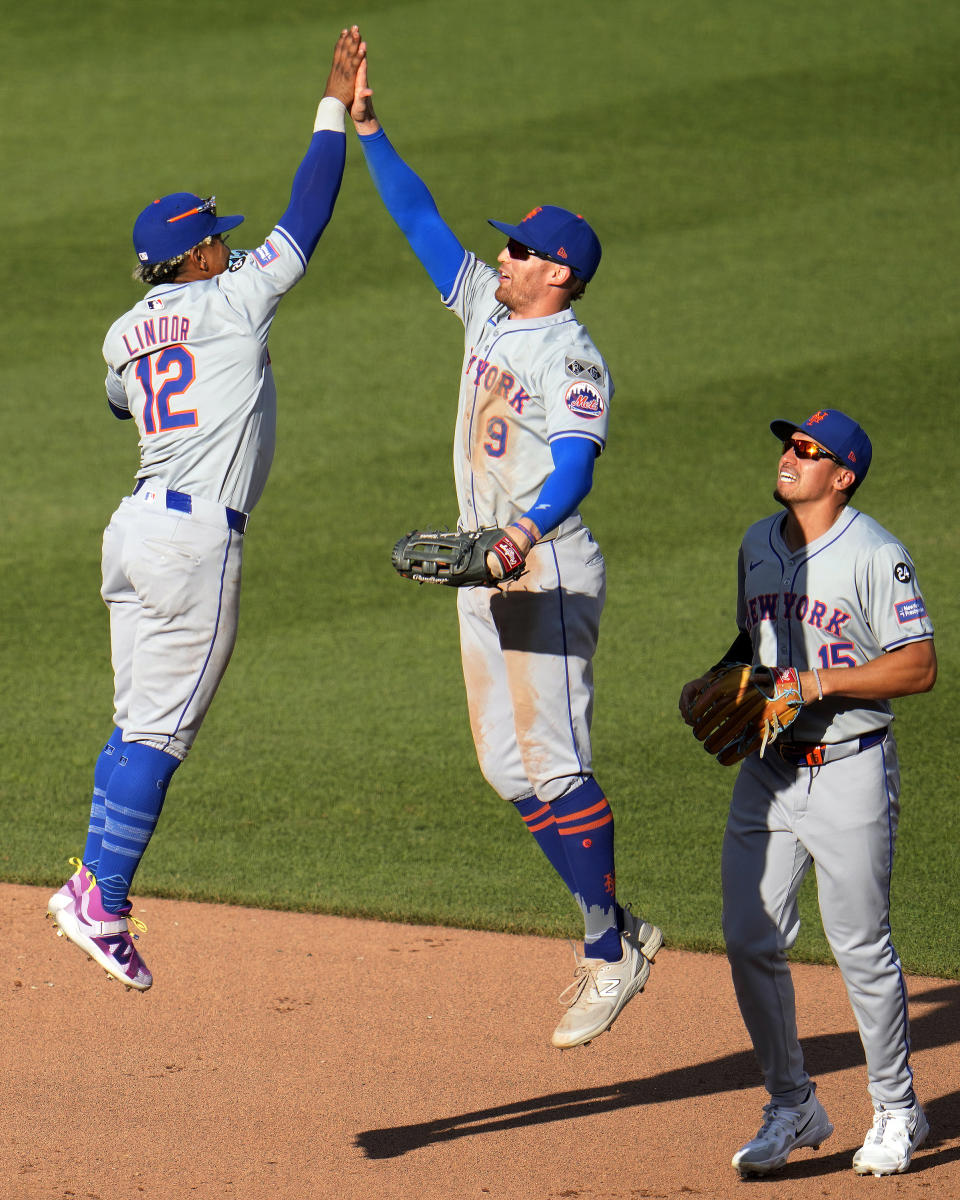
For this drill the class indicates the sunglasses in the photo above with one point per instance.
(521, 252)
(205, 206)
(805, 449)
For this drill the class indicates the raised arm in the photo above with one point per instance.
(317, 181)
(404, 193)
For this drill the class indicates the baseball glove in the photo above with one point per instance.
(743, 708)
(457, 559)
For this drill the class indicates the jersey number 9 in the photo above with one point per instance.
(496, 445)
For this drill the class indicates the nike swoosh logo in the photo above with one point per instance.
(756, 564)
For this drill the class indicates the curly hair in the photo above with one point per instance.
(164, 272)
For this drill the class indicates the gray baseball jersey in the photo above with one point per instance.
(841, 601)
(191, 366)
(190, 363)
(523, 384)
(527, 648)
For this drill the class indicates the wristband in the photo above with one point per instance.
(532, 541)
(331, 115)
(816, 675)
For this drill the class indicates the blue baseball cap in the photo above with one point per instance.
(560, 235)
(175, 224)
(836, 432)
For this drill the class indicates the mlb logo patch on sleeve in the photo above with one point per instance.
(264, 255)
(911, 610)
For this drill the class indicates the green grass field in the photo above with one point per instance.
(775, 189)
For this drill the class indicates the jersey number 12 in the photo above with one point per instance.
(157, 414)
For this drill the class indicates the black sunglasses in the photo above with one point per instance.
(519, 251)
(805, 449)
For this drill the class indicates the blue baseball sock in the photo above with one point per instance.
(585, 831)
(539, 819)
(134, 798)
(103, 769)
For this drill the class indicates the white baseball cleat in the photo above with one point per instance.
(601, 989)
(783, 1131)
(893, 1137)
(645, 937)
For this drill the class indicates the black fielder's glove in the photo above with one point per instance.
(457, 559)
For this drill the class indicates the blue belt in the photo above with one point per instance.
(182, 502)
(805, 755)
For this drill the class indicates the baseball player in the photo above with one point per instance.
(189, 364)
(532, 417)
(826, 590)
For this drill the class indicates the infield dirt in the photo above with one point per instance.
(285, 1056)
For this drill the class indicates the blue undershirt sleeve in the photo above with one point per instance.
(409, 202)
(116, 396)
(315, 189)
(566, 486)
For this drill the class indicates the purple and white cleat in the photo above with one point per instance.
(105, 937)
(69, 894)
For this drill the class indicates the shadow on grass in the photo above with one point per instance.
(824, 1055)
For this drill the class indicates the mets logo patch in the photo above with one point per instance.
(911, 610)
(264, 255)
(584, 400)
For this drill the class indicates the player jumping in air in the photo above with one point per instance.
(533, 410)
(825, 590)
(189, 363)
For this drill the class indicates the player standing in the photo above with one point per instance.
(189, 363)
(533, 410)
(826, 590)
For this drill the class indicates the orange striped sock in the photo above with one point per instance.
(538, 818)
(585, 827)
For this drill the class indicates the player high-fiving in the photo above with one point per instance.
(190, 365)
(534, 402)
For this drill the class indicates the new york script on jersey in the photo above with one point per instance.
(493, 379)
(796, 607)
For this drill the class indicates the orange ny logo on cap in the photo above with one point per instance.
(817, 418)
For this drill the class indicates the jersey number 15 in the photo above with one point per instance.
(835, 655)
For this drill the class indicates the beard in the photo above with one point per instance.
(512, 296)
(502, 295)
